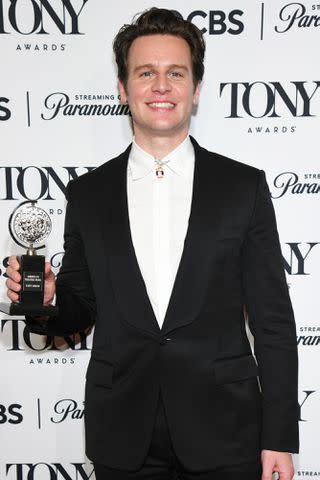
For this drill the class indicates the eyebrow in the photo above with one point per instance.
(151, 65)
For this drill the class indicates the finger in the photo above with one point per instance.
(13, 262)
(13, 274)
(47, 268)
(267, 470)
(14, 297)
(11, 285)
(49, 275)
(286, 473)
(49, 278)
(266, 475)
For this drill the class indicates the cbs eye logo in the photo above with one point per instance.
(11, 413)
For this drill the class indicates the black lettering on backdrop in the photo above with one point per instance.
(5, 112)
(56, 471)
(67, 408)
(40, 11)
(294, 14)
(307, 395)
(243, 98)
(235, 21)
(11, 414)
(56, 259)
(218, 21)
(59, 102)
(20, 337)
(289, 182)
(217, 24)
(308, 340)
(296, 258)
(14, 181)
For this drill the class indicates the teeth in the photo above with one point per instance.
(162, 104)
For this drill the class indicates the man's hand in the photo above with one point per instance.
(280, 462)
(14, 279)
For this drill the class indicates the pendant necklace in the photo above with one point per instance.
(159, 169)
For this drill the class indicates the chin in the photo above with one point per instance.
(164, 126)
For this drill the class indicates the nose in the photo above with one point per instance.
(161, 84)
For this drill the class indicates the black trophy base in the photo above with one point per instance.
(32, 279)
(28, 309)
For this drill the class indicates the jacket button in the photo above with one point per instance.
(164, 341)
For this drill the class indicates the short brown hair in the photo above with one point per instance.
(164, 22)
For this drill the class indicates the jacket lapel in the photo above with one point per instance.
(195, 264)
(126, 277)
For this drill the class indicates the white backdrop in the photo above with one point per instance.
(60, 116)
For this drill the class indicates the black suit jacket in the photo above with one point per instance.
(201, 358)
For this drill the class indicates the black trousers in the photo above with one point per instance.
(161, 462)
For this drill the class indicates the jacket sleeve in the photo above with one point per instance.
(271, 321)
(74, 293)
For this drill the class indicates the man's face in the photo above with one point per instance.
(160, 89)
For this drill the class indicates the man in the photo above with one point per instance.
(165, 246)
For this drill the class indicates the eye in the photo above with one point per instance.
(146, 74)
(176, 74)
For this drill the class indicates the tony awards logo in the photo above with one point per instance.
(29, 226)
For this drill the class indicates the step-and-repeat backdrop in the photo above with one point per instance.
(60, 116)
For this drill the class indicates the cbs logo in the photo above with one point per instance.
(11, 413)
(5, 112)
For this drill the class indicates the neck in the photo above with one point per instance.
(159, 147)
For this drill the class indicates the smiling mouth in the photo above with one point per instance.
(166, 105)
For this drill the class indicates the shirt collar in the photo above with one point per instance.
(180, 160)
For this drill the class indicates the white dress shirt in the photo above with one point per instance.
(159, 210)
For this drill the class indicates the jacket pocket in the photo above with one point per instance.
(234, 369)
(100, 373)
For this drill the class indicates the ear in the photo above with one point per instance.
(196, 94)
(123, 94)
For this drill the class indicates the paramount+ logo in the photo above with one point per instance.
(294, 15)
(289, 183)
(41, 17)
(271, 99)
(67, 409)
(309, 336)
(48, 471)
(59, 103)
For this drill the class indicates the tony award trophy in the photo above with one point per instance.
(29, 226)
